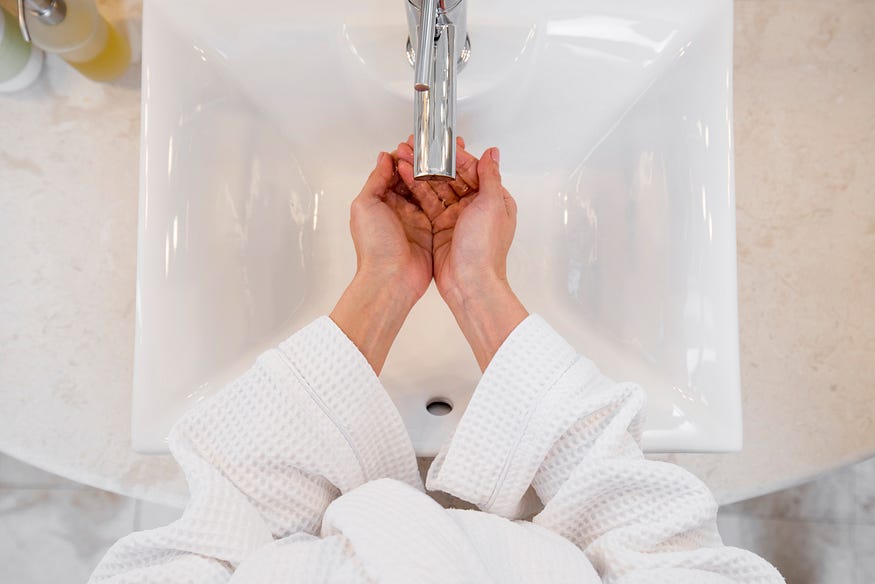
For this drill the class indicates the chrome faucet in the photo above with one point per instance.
(438, 47)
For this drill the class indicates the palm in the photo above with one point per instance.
(455, 241)
(451, 207)
(407, 239)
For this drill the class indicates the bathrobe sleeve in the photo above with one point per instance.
(266, 455)
(544, 417)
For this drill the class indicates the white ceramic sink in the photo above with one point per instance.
(614, 120)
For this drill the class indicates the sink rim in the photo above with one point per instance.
(728, 421)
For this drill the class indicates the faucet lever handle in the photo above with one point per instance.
(22, 22)
(425, 52)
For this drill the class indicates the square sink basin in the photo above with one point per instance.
(614, 121)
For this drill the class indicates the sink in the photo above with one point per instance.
(614, 121)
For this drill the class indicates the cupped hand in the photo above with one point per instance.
(392, 236)
(473, 220)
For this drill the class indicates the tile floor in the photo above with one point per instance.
(43, 516)
(822, 532)
(819, 532)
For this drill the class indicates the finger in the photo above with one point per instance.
(488, 172)
(445, 224)
(397, 184)
(446, 192)
(510, 205)
(404, 207)
(405, 152)
(490, 180)
(381, 178)
(447, 220)
(466, 182)
(399, 188)
(422, 192)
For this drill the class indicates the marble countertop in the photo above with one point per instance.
(805, 139)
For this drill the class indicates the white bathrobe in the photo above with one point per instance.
(301, 471)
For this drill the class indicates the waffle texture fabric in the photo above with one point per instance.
(301, 471)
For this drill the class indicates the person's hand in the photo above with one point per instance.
(473, 222)
(393, 245)
(392, 236)
(473, 219)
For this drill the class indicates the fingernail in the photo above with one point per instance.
(496, 155)
(379, 158)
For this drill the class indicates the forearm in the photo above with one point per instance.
(370, 312)
(487, 312)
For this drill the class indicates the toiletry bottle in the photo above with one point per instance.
(76, 31)
(20, 61)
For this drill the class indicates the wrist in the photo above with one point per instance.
(390, 292)
(370, 312)
(402, 287)
(474, 290)
(487, 311)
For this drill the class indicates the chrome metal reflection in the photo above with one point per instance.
(441, 48)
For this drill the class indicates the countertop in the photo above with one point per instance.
(805, 142)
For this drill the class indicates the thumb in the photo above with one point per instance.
(488, 171)
(380, 178)
(489, 174)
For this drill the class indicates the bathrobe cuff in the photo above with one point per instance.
(513, 419)
(307, 421)
(341, 382)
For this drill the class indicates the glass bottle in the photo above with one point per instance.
(76, 32)
(20, 61)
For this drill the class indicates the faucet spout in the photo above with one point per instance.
(434, 110)
(436, 58)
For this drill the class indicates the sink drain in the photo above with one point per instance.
(439, 406)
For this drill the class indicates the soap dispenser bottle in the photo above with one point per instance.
(76, 32)
(20, 61)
